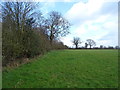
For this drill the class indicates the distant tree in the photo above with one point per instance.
(105, 47)
(86, 45)
(56, 25)
(110, 47)
(76, 41)
(117, 47)
(96, 47)
(91, 42)
(101, 46)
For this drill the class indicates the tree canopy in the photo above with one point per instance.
(76, 41)
(91, 42)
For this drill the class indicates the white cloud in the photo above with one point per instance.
(91, 20)
(83, 10)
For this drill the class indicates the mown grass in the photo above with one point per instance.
(67, 69)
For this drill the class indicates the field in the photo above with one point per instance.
(67, 69)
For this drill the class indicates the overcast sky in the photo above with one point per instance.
(90, 19)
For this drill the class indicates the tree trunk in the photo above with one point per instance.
(90, 46)
(76, 46)
(51, 39)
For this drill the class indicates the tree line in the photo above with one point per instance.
(27, 33)
(90, 44)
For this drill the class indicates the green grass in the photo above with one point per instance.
(67, 69)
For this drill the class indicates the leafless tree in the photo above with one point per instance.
(17, 13)
(57, 25)
(86, 45)
(91, 42)
(76, 41)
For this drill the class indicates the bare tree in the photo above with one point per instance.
(17, 13)
(57, 25)
(91, 42)
(17, 37)
(76, 41)
(86, 45)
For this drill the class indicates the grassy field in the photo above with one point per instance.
(67, 69)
